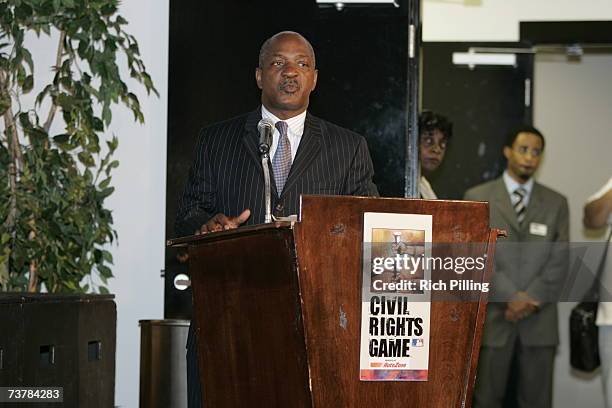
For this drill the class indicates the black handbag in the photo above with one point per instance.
(584, 343)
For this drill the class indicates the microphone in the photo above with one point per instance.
(265, 127)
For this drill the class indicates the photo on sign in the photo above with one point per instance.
(394, 251)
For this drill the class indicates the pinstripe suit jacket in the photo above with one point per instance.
(227, 177)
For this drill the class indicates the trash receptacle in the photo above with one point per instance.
(163, 367)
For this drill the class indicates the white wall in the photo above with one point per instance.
(138, 203)
(573, 108)
(498, 20)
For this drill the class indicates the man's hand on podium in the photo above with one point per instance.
(222, 222)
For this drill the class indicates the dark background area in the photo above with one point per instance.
(362, 60)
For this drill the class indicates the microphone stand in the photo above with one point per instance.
(265, 141)
(265, 159)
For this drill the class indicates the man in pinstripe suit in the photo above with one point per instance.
(225, 188)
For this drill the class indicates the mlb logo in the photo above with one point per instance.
(417, 342)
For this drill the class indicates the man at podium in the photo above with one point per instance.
(225, 188)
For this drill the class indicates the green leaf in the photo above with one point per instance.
(27, 56)
(112, 145)
(5, 103)
(23, 11)
(104, 183)
(107, 256)
(103, 290)
(107, 116)
(112, 165)
(43, 93)
(71, 285)
(106, 192)
(21, 74)
(28, 84)
(65, 101)
(98, 125)
(86, 158)
(61, 139)
(24, 120)
(105, 271)
(37, 133)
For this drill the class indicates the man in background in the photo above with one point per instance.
(435, 132)
(309, 156)
(530, 266)
(598, 214)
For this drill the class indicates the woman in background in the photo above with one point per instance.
(435, 132)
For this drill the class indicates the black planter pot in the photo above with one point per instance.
(60, 341)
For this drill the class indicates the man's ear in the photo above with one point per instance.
(314, 82)
(258, 77)
(507, 152)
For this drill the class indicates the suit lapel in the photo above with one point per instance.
(310, 145)
(503, 204)
(250, 140)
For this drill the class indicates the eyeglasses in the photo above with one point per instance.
(430, 141)
(524, 150)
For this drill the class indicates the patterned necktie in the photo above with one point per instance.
(519, 203)
(281, 164)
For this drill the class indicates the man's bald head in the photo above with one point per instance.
(286, 74)
(265, 47)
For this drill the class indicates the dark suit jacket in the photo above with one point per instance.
(524, 261)
(227, 177)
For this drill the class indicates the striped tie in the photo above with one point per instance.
(281, 164)
(519, 203)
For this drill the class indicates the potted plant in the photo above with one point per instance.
(55, 157)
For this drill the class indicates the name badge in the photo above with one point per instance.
(538, 229)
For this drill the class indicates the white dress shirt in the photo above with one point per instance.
(512, 185)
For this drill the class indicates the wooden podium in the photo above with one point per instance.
(277, 309)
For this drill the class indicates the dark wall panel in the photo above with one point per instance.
(484, 103)
(566, 32)
(363, 78)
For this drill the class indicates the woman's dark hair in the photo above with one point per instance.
(430, 121)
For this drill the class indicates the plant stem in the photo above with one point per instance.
(33, 280)
(58, 64)
(15, 155)
(9, 124)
